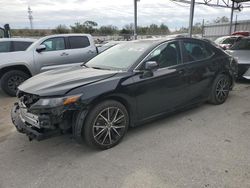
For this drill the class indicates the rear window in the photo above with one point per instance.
(5, 46)
(196, 51)
(78, 42)
(21, 46)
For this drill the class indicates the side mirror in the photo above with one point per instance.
(151, 65)
(148, 69)
(41, 48)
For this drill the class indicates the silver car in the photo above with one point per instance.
(47, 53)
(241, 51)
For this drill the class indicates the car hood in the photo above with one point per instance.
(60, 81)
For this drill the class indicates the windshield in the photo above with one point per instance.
(119, 57)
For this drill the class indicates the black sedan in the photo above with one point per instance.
(125, 86)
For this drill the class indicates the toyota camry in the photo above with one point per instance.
(125, 86)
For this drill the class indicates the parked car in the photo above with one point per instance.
(242, 33)
(51, 52)
(241, 51)
(14, 44)
(124, 86)
(227, 41)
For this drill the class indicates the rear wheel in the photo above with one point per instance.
(11, 80)
(106, 124)
(220, 89)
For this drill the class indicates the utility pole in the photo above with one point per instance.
(135, 19)
(231, 19)
(191, 18)
(30, 17)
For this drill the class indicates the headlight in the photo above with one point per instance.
(56, 102)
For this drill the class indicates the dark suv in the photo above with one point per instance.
(124, 86)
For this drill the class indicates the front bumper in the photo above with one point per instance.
(38, 127)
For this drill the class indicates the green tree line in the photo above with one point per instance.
(93, 28)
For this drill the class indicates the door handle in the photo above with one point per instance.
(90, 52)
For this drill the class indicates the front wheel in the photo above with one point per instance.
(11, 80)
(106, 124)
(220, 89)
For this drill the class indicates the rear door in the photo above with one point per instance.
(200, 68)
(81, 49)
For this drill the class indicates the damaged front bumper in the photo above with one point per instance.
(38, 127)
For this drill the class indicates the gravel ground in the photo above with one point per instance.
(208, 146)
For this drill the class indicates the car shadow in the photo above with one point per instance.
(243, 81)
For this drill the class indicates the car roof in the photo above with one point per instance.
(67, 35)
(156, 41)
(18, 39)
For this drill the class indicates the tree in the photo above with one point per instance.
(86, 27)
(60, 29)
(89, 26)
(107, 30)
(77, 28)
(164, 29)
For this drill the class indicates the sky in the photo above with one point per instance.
(50, 13)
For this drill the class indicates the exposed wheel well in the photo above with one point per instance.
(15, 67)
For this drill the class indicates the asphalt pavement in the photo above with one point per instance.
(207, 146)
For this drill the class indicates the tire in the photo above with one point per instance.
(106, 125)
(220, 89)
(11, 80)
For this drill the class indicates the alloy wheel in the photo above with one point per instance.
(109, 126)
(14, 82)
(222, 89)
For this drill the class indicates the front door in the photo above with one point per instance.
(165, 89)
(55, 55)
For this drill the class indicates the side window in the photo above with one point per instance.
(5, 46)
(166, 55)
(229, 40)
(54, 44)
(21, 46)
(78, 42)
(243, 44)
(196, 51)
